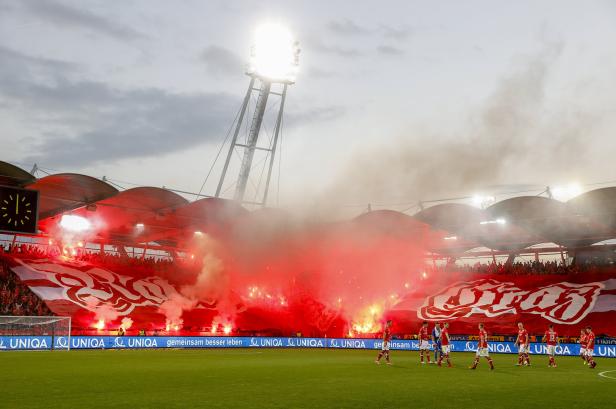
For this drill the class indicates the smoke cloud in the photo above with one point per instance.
(515, 132)
(210, 285)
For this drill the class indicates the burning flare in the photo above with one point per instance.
(100, 325)
(369, 320)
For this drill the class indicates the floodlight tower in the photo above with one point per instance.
(274, 59)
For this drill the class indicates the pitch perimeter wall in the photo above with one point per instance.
(8, 343)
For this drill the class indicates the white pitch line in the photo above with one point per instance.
(603, 374)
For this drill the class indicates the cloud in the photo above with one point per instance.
(221, 62)
(87, 121)
(314, 115)
(395, 33)
(316, 44)
(5, 6)
(140, 123)
(318, 73)
(347, 27)
(515, 134)
(389, 50)
(15, 65)
(83, 122)
(63, 15)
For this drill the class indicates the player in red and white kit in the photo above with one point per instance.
(424, 342)
(482, 348)
(551, 339)
(590, 347)
(445, 345)
(385, 347)
(523, 346)
(583, 343)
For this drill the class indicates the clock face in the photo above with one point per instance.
(18, 210)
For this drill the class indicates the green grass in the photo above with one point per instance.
(267, 378)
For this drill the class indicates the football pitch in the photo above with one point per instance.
(292, 378)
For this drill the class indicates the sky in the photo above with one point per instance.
(395, 102)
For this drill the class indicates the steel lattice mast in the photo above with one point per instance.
(265, 74)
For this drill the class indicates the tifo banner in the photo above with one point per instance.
(87, 342)
(81, 285)
(88, 293)
(568, 302)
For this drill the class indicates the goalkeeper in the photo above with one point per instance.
(436, 342)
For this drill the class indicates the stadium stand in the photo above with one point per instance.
(138, 287)
(148, 244)
(529, 268)
(16, 297)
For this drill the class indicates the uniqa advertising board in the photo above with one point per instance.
(108, 342)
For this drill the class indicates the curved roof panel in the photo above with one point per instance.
(519, 216)
(598, 204)
(209, 215)
(67, 191)
(504, 237)
(451, 217)
(11, 175)
(264, 222)
(597, 210)
(516, 223)
(445, 228)
(145, 198)
(526, 210)
(549, 219)
(410, 227)
(121, 213)
(209, 212)
(393, 222)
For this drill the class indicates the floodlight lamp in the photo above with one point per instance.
(274, 55)
(500, 221)
(564, 193)
(74, 223)
(483, 201)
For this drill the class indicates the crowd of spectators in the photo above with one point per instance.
(523, 268)
(172, 267)
(138, 265)
(16, 298)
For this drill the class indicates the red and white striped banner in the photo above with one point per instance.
(570, 302)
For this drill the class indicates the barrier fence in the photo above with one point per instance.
(110, 342)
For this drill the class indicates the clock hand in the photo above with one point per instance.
(17, 205)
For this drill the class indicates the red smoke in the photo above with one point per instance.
(278, 276)
(267, 273)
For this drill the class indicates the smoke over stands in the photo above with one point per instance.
(516, 135)
(271, 272)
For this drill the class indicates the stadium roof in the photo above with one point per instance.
(147, 214)
(68, 191)
(11, 175)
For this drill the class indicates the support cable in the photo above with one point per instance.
(279, 164)
(222, 145)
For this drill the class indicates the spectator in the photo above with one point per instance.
(16, 298)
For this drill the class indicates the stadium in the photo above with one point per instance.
(116, 294)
